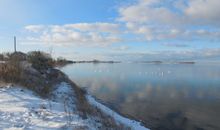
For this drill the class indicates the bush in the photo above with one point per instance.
(61, 59)
(40, 60)
(1, 57)
(18, 56)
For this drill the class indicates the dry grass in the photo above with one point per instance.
(10, 71)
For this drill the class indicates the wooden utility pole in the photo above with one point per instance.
(15, 46)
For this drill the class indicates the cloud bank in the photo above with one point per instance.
(146, 20)
(165, 20)
(89, 34)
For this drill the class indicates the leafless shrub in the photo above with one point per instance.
(40, 60)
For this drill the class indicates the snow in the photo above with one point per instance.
(2, 62)
(128, 122)
(21, 109)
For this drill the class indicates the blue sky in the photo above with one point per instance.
(113, 29)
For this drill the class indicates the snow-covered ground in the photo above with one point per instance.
(21, 109)
(2, 62)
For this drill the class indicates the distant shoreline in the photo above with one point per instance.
(164, 62)
(95, 61)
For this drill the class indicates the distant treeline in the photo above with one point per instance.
(95, 61)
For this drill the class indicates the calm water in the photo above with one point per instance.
(163, 96)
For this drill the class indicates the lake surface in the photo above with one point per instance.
(162, 96)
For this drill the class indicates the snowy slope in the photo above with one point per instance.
(64, 93)
(21, 109)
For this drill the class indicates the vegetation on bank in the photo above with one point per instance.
(36, 57)
(21, 68)
(36, 71)
(27, 70)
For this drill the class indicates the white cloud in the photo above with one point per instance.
(121, 48)
(204, 11)
(147, 12)
(95, 27)
(34, 28)
(172, 12)
(144, 20)
(162, 20)
(195, 54)
(175, 44)
(89, 34)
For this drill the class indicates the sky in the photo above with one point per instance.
(113, 29)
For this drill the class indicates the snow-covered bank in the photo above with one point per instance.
(65, 94)
(55, 101)
(128, 122)
(21, 109)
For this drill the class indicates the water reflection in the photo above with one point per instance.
(163, 97)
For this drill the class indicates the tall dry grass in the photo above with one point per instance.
(10, 71)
